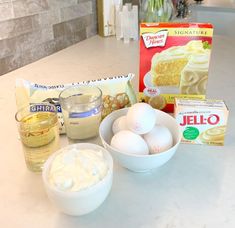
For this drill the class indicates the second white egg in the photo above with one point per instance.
(119, 124)
(130, 143)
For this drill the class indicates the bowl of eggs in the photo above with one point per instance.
(140, 138)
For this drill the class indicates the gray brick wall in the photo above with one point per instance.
(33, 29)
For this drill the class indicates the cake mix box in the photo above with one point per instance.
(174, 62)
(201, 121)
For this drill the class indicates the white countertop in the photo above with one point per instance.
(195, 189)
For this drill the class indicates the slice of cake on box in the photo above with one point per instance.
(183, 66)
(166, 66)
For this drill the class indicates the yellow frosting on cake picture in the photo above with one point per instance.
(185, 67)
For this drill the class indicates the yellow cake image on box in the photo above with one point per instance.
(166, 66)
(183, 66)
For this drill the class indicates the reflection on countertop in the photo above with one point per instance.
(214, 5)
(220, 13)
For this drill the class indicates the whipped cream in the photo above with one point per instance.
(199, 61)
(194, 47)
(176, 52)
(76, 169)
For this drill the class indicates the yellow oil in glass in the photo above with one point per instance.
(39, 134)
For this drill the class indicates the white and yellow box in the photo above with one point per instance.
(201, 121)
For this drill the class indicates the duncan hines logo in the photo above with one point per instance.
(155, 39)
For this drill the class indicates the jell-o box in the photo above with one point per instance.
(201, 121)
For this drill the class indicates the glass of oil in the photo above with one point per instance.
(39, 133)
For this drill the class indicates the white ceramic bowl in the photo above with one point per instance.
(83, 201)
(140, 163)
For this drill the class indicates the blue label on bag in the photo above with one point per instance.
(44, 108)
(41, 108)
(85, 114)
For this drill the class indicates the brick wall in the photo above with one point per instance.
(32, 29)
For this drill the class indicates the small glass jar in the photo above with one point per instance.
(39, 133)
(81, 109)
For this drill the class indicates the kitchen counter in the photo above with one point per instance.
(215, 5)
(195, 189)
(220, 13)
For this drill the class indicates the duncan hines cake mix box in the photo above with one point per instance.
(201, 121)
(174, 62)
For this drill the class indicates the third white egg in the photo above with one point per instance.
(159, 139)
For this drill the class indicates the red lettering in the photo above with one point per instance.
(184, 121)
(191, 120)
(213, 119)
(200, 120)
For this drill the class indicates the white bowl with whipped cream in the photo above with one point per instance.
(78, 178)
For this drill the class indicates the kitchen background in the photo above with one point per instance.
(32, 29)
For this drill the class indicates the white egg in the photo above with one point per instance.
(141, 118)
(119, 124)
(159, 139)
(130, 143)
